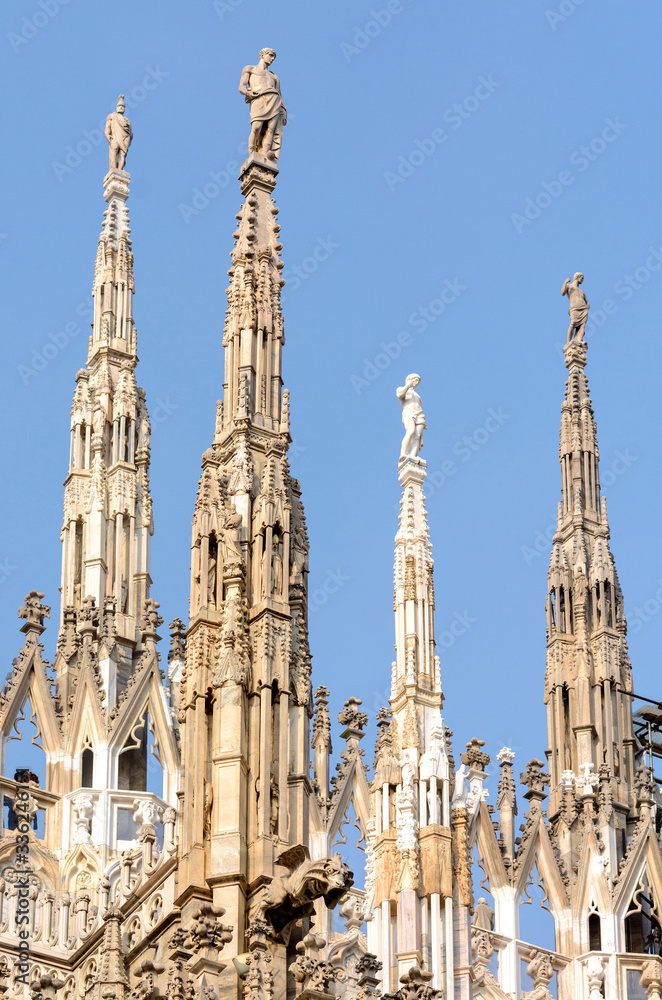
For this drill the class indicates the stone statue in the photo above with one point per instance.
(483, 919)
(298, 556)
(276, 567)
(211, 581)
(230, 534)
(119, 135)
(413, 417)
(579, 306)
(460, 788)
(261, 89)
(98, 419)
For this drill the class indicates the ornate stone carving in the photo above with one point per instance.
(45, 987)
(321, 721)
(259, 979)
(206, 932)
(292, 896)
(535, 780)
(651, 978)
(409, 859)
(83, 806)
(351, 717)
(309, 969)
(541, 971)
(415, 986)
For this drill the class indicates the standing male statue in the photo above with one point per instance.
(579, 306)
(413, 417)
(261, 89)
(119, 135)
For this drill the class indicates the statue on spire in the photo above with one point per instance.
(119, 135)
(579, 306)
(261, 89)
(413, 417)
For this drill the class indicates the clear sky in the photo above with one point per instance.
(420, 136)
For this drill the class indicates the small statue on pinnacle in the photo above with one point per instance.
(261, 89)
(579, 306)
(413, 418)
(119, 135)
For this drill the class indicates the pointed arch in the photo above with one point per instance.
(82, 860)
(29, 681)
(148, 697)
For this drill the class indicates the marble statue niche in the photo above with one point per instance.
(230, 536)
(413, 417)
(261, 89)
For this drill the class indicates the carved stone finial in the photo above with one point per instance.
(34, 612)
(587, 781)
(207, 931)
(475, 757)
(535, 779)
(310, 970)
(413, 418)
(350, 717)
(261, 90)
(321, 721)
(119, 134)
(416, 986)
(177, 641)
(505, 756)
(151, 619)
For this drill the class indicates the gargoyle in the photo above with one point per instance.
(292, 896)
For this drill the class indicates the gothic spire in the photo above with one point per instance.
(107, 506)
(588, 669)
(410, 803)
(416, 676)
(247, 640)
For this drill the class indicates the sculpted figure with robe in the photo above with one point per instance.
(261, 89)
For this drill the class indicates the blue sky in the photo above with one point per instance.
(420, 136)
